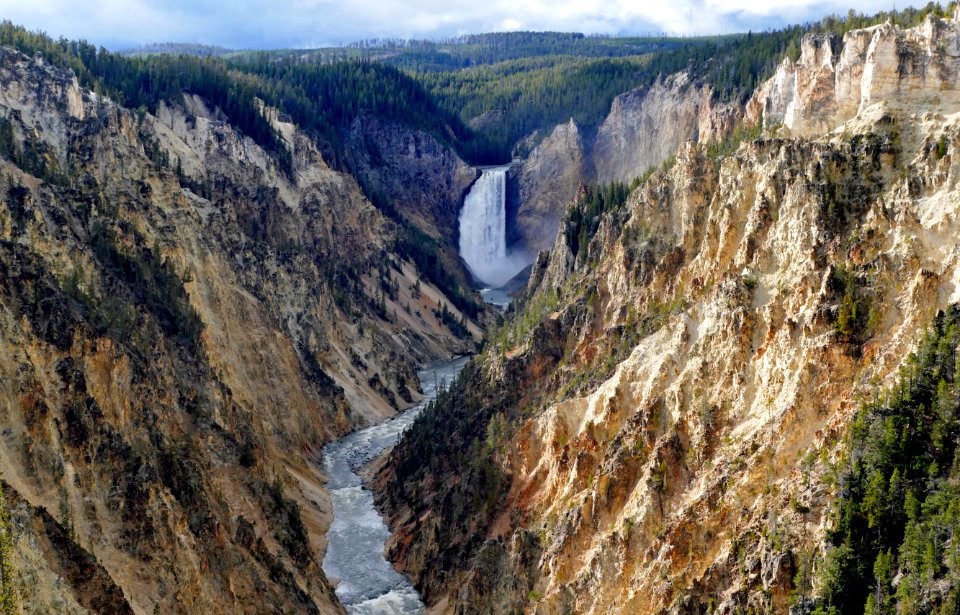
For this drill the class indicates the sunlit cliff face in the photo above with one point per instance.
(691, 471)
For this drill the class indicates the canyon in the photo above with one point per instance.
(656, 429)
(184, 325)
(222, 347)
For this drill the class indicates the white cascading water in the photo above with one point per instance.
(367, 584)
(483, 229)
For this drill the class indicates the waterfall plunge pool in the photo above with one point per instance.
(483, 230)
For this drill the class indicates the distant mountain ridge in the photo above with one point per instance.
(189, 49)
(213, 263)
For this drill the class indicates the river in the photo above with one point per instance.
(367, 582)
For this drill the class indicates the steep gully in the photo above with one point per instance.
(366, 581)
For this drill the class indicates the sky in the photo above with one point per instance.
(270, 24)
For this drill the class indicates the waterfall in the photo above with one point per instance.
(483, 229)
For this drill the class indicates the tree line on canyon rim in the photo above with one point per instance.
(536, 80)
(902, 468)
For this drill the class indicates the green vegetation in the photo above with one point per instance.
(30, 155)
(514, 330)
(533, 93)
(143, 83)
(8, 591)
(899, 503)
(731, 142)
(457, 326)
(153, 283)
(138, 277)
(496, 47)
(942, 146)
(855, 318)
(323, 99)
(283, 515)
(426, 254)
(474, 49)
(193, 49)
(534, 82)
(905, 18)
(537, 93)
(583, 219)
(475, 418)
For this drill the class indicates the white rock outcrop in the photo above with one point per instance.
(832, 82)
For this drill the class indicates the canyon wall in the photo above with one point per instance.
(647, 126)
(425, 180)
(536, 187)
(182, 326)
(644, 128)
(656, 428)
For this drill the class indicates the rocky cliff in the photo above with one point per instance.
(644, 128)
(547, 177)
(913, 70)
(656, 429)
(425, 180)
(647, 126)
(182, 325)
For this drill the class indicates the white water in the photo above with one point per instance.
(367, 582)
(483, 230)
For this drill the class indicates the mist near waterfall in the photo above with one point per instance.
(483, 230)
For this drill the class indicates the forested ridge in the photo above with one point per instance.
(539, 92)
(480, 49)
(893, 544)
(531, 80)
(322, 99)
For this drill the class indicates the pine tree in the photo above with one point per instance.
(8, 592)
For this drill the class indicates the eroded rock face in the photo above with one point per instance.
(424, 179)
(647, 126)
(832, 82)
(682, 399)
(644, 128)
(48, 558)
(543, 183)
(182, 326)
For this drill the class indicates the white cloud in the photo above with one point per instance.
(284, 23)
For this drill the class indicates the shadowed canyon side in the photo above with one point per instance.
(659, 427)
(421, 177)
(245, 366)
(183, 325)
